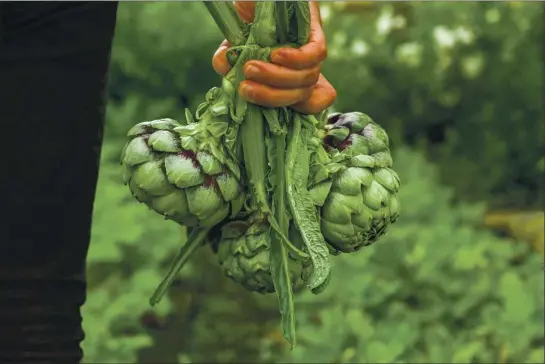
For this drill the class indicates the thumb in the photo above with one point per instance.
(246, 10)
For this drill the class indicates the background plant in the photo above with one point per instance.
(459, 88)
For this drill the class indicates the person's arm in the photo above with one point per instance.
(53, 64)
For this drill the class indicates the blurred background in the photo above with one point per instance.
(458, 279)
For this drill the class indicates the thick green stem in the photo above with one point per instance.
(227, 20)
(255, 154)
(282, 21)
(194, 241)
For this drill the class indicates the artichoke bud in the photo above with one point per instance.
(244, 253)
(362, 201)
(176, 177)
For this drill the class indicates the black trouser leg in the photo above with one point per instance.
(53, 64)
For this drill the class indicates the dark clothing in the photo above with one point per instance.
(53, 65)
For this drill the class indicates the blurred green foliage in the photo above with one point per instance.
(458, 86)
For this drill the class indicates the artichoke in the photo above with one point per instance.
(244, 256)
(182, 171)
(356, 192)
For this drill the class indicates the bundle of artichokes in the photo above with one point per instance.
(276, 193)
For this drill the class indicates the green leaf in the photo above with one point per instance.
(279, 256)
(518, 304)
(301, 204)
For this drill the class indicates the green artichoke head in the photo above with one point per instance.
(182, 171)
(353, 184)
(244, 253)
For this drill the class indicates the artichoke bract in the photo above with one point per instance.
(181, 171)
(244, 256)
(357, 192)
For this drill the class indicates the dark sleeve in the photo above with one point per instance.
(53, 65)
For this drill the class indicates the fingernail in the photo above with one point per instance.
(278, 54)
(246, 91)
(251, 70)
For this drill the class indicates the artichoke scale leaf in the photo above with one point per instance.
(338, 134)
(351, 180)
(216, 217)
(395, 208)
(189, 143)
(164, 124)
(319, 192)
(218, 128)
(172, 204)
(338, 234)
(136, 152)
(229, 186)
(164, 141)
(387, 178)
(362, 161)
(375, 196)
(383, 159)
(151, 178)
(139, 129)
(217, 152)
(139, 194)
(126, 173)
(319, 173)
(219, 109)
(209, 164)
(203, 201)
(358, 145)
(237, 204)
(182, 172)
(335, 209)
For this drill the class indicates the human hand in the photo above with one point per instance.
(293, 78)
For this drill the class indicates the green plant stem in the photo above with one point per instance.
(255, 155)
(282, 21)
(194, 241)
(227, 20)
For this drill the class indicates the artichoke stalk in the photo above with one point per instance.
(354, 185)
